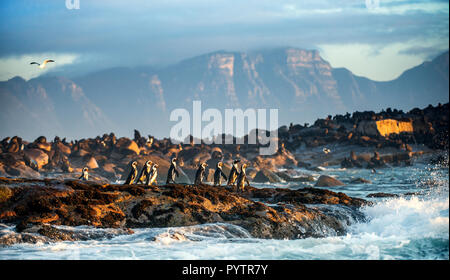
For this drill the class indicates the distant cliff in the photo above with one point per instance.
(300, 83)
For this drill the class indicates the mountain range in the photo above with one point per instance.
(300, 83)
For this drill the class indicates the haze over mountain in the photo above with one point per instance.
(300, 83)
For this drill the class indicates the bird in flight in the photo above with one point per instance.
(326, 150)
(42, 66)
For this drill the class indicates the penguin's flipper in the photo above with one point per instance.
(223, 175)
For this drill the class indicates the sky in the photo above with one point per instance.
(378, 39)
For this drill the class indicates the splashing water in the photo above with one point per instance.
(406, 227)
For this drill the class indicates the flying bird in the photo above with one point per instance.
(42, 66)
(326, 150)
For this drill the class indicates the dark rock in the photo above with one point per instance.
(351, 162)
(266, 176)
(327, 181)
(127, 147)
(35, 158)
(75, 203)
(360, 181)
(44, 233)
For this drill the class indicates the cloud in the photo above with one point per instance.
(162, 32)
(427, 53)
(405, 7)
(369, 62)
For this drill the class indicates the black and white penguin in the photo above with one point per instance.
(218, 174)
(84, 174)
(233, 173)
(201, 174)
(172, 171)
(242, 179)
(133, 174)
(151, 179)
(144, 172)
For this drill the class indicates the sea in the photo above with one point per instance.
(412, 226)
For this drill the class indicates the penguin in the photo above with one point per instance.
(242, 179)
(201, 174)
(144, 172)
(172, 171)
(84, 175)
(133, 174)
(151, 178)
(218, 174)
(233, 173)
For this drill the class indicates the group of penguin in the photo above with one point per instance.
(149, 173)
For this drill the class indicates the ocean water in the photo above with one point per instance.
(413, 226)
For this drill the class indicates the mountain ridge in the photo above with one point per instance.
(300, 83)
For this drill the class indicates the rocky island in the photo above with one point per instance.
(40, 194)
(35, 206)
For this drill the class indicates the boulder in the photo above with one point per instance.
(21, 170)
(266, 176)
(360, 181)
(127, 146)
(35, 158)
(44, 146)
(80, 153)
(109, 168)
(91, 163)
(63, 148)
(327, 181)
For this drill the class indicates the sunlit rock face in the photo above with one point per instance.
(385, 127)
